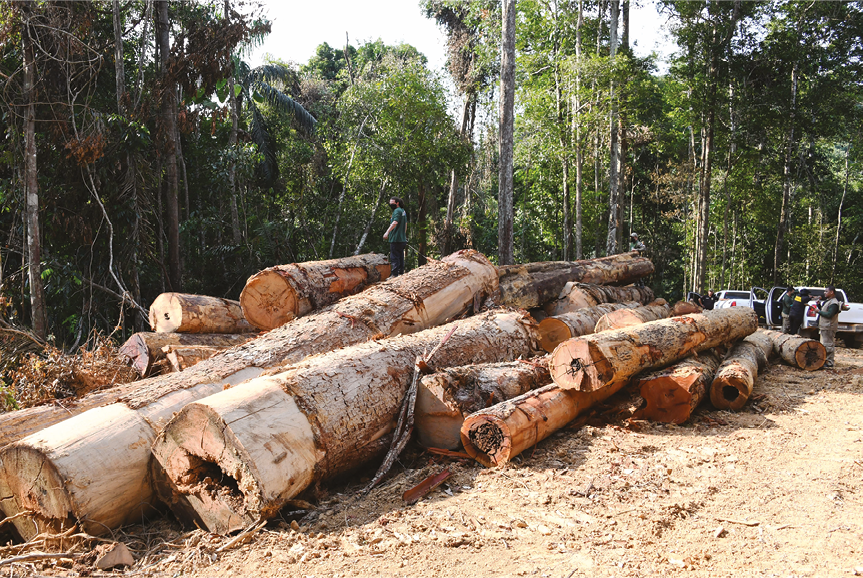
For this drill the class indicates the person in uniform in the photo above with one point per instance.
(787, 301)
(396, 234)
(798, 310)
(709, 300)
(635, 244)
(828, 322)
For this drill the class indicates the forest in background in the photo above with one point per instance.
(141, 154)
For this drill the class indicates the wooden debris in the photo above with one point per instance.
(732, 385)
(116, 554)
(182, 358)
(673, 393)
(806, 354)
(422, 489)
(145, 348)
(185, 313)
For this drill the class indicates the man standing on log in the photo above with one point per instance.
(828, 322)
(787, 302)
(397, 236)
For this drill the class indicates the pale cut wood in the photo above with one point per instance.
(619, 319)
(575, 296)
(446, 397)
(685, 308)
(185, 313)
(238, 456)
(611, 358)
(182, 358)
(555, 330)
(535, 284)
(732, 385)
(672, 394)
(145, 348)
(801, 352)
(495, 435)
(424, 297)
(276, 295)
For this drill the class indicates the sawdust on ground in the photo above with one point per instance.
(775, 489)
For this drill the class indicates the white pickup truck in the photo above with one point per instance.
(850, 322)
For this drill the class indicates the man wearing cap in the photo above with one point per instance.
(798, 310)
(828, 322)
(787, 300)
(635, 244)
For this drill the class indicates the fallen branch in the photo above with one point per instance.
(242, 537)
(37, 556)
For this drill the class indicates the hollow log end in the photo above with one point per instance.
(268, 300)
(486, 439)
(552, 333)
(811, 355)
(731, 391)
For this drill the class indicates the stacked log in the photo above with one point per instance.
(276, 295)
(237, 457)
(672, 394)
(94, 467)
(685, 308)
(145, 348)
(576, 296)
(588, 370)
(658, 309)
(182, 358)
(555, 330)
(802, 352)
(446, 397)
(535, 284)
(732, 385)
(184, 313)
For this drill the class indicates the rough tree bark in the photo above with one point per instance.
(575, 296)
(807, 354)
(276, 295)
(145, 348)
(659, 309)
(505, 242)
(94, 467)
(184, 313)
(555, 330)
(237, 457)
(614, 223)
(608, 360)
(673, 393)
(445, 398)
(535, 284)
(732, 385)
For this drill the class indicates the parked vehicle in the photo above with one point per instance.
(754, 299)
(850, 321)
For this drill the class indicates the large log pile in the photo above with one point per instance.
(94, 467)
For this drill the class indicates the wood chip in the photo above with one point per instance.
(741, 522)
(718, 532)
(116, 555)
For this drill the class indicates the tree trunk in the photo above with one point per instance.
(145, 348)
(608, 360)
(111, 444)
(806, 354)
(507, 101)
(555, 330)
(732, 385)
(535, 284)
(273, 437)
(232, 146)
(181, 357)
(786, 179)
(278, 294)
(673, 393)
(576, 121)
(630, 317)
(449, 229)
(38, 308)
(575, 296)
(372, 219)
(445, 398)
(184, 313)
(614, 224)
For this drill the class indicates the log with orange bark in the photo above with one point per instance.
(807, 354)
(276, 295)
(657, 309)
(93, 468)
(671, 395)
(576, 296)
(555, 330)
(732, 385)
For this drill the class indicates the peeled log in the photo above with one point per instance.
(807, 354)
(495, 435)
(608, 360)
(629, 317)
(555, 330)
(185, 313)
(276, 295)
(145, 348)
(535, 284)
(576, 296)
(237, 457)
(446, 397)
(673, 393)
(735, 378)
(94, 467)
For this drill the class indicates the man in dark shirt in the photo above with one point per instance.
(798, 310)
(787, 301)
(396, 234)
(709, 300)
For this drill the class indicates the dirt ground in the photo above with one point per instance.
(773, 490)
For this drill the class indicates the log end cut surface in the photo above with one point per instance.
(269, 300)
(668, 398)
(487, 439)
(810, 355)
(552, 333)
(578, 364)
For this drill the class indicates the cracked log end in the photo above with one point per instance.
(580, 365)
(269, 300)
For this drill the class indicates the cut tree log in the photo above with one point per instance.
(185, 313)
(94, 467)
(576, 296)
(446, 397)
(182, 358)
(608, 360)
(806, 354)
(732, 385)
(555, 330)
(535, 284)
(238, 456)
(276, 295)
(621, 318)
(685, 308)
(495, 435)
(145, 348)
(672, 394)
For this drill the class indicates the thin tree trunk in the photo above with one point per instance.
(345, 185)
(453, 186)
(611, 245)
(372, 218)
(786, 181)
(422, 190)
(839, 217)
(579, 153)
(505, 143)
(232, 145)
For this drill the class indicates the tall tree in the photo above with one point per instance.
(614, 201)
(505, 242)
